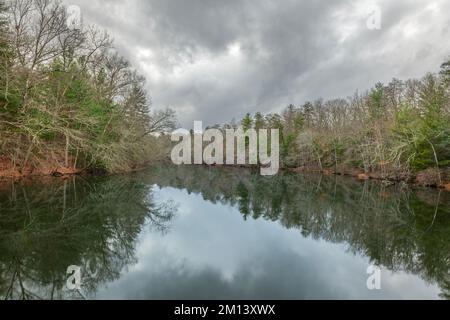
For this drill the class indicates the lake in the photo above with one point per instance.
(196, 232)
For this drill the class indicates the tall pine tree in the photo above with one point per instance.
(445, 72)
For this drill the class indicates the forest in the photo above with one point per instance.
(69, 101)
(394, 132)
(72, 105)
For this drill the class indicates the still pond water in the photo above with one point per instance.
(211, 233)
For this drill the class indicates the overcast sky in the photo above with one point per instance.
(214, 60)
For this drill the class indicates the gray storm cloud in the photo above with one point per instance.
(217, 60)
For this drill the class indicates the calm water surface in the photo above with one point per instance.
(210, 233)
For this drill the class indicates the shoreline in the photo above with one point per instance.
(8, 172)
(425, 178)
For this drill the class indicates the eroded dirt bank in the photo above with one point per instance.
(8, 170)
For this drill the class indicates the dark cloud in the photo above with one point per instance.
(215, 60)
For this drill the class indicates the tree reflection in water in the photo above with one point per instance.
(95, 223)
(396, 227)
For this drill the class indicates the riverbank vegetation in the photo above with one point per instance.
(398, 131)
(68, 100)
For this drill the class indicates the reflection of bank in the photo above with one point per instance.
(44, 228)
(389, 225)
(94, 223)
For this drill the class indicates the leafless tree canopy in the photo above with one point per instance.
(68, 96)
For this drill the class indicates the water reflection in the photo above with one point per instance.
(48, 226)
(297, 236)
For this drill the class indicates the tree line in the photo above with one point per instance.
(394, 130)
(67, 98)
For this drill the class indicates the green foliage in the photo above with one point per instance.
(396, 129)
(376, 105)
(260, 122)
(247, 122)
(81, 105)
(423, 135)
